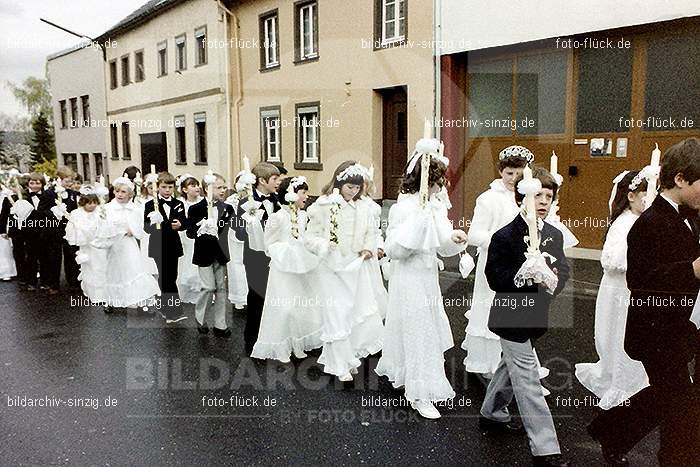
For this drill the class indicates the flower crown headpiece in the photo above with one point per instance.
(355, 170)
(517, 151)
(123, 181)
(292, 196)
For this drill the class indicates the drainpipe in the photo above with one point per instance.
(228, 89)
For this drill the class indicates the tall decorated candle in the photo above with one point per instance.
(652, 178)
(554, 164)
(155, 191)
(530, 212)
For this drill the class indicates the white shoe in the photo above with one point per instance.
(345, 378)
(545, 391)
(426, 409)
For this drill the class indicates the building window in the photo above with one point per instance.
(200, 40)
(74, 118)
(306, 26)
(163, 59)
(64, 113)
(269, 39)
(71, 160)
(672, 96)
(86, 166)
(98, 165)
(540, 82)
(125, 70)
(180, 140)
(181, 53)
(270, 134)
(139, 70)
(113, 74)
(200, 137)
(308, 135)
(604, 92)
(126, 146)
(85, 104)
(490, 98)
(393, 21)
(114, 141)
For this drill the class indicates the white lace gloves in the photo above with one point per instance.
(59, 211)
(535, 270)
(208, 227)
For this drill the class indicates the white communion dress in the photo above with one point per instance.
(615, 377)
(81, 230)
(417, 331)
(292, 319)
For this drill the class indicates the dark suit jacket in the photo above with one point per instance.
(71, 202)
(256, 262)
(519, 314)
(660, 254)
(165, 241)
(208, 249)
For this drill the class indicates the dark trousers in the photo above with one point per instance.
(671, 403)
(167, 280)
(257, 265)
(70, 267)
(20, 252)
(50, 243)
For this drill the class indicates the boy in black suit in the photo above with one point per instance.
(210, 234)
(164, 245)
(256, 262)
(519, 315)
(663, 271)
(63, 251)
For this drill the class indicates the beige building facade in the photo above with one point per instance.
(78, 101)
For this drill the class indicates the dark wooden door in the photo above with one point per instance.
(154, 150)
(395, 143)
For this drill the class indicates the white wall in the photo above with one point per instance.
(472, 25)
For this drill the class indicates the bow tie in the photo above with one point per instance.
(266, 198)
(34, 193)
(169, 202)
(687, 213)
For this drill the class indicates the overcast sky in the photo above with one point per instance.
(25, 42)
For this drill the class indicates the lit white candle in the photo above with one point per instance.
(554, 163)
(153, 168)
(102, 180)
(427, 129)
(530, 213)
(246, 164)
(210, 194)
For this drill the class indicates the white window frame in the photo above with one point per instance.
(302, 33)
(397, 21)
(271, 134)
(162, 68)
(309, 136)
(200, 32)
(270, 45)
(181, 53)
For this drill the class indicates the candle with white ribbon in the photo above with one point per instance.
(427, 129)
(155, 192)
(530, 213)
(653, 176)
(210, 193)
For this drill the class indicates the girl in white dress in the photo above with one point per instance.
(616, 377)
(417, 330)
(237, 279)
(189, 284)
(81, 230)
(8, 269)
(342, 233)
(128, 284)
(291, 318)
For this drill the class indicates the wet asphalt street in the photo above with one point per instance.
(126, 390)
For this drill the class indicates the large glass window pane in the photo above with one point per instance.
(490, 98)
(673, 85)
(604, 89)
(541, 93)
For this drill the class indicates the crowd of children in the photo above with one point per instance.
(309, 273)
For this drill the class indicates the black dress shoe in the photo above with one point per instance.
(549, 461)
(490, 427)
(611, 456)
(108, 309)
(222, 332)
(203, 328)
